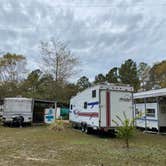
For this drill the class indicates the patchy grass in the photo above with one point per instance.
(40, 146)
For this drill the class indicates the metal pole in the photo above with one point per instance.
(135, 121)
(158, 114)
(133, 110)
(145, 114)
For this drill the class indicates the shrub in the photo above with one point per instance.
(125, 128)
(58, 125)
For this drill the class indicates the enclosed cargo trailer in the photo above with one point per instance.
(25, 110)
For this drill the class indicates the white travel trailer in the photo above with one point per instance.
(96, 107)
(154, 102)
(25, 110)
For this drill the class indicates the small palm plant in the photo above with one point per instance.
(125, 128)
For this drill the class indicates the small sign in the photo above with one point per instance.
(49, 116)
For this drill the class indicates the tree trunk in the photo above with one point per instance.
(127, 143)
(57, 65)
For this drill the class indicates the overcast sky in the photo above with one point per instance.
(101, 33)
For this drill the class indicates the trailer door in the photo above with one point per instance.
(105, 115)
(121, 102)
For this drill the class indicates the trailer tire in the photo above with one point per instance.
(6, 124)
(21, 121)
(18, 121)
(74, 125)
(83, 127)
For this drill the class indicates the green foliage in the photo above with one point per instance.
(158, 75)
(69, 91)
(125, 128)
(39, 85)
(99, 78)
(112, 76)
(83, 83)
(32, 83)
(128, 74)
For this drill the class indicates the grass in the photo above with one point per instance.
(39, 146)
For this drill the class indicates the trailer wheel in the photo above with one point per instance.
(18, 121)
(21, 120)
(6, 124)
(86, 130)
(74, 125)
(83, 127)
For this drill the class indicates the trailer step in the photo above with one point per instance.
(154, 132)
(150, 132)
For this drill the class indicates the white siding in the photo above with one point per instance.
(152, 122)
(77, 103)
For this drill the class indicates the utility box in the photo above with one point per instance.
(64, 113)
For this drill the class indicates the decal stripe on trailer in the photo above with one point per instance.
(108, 108)
(92, 104)
(88, 114)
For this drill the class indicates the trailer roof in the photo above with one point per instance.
(109, 86)
(17, 98)
(24, 98)
(150, 93)
(46, 101)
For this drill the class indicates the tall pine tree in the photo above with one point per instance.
(128, 74)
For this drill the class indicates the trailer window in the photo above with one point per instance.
(85, 105)
(138, 112)
(93, 93)
(150, 112)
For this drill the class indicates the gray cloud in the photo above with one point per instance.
(101, 33)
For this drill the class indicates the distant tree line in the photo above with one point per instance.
(58, 65)
(141, 77)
